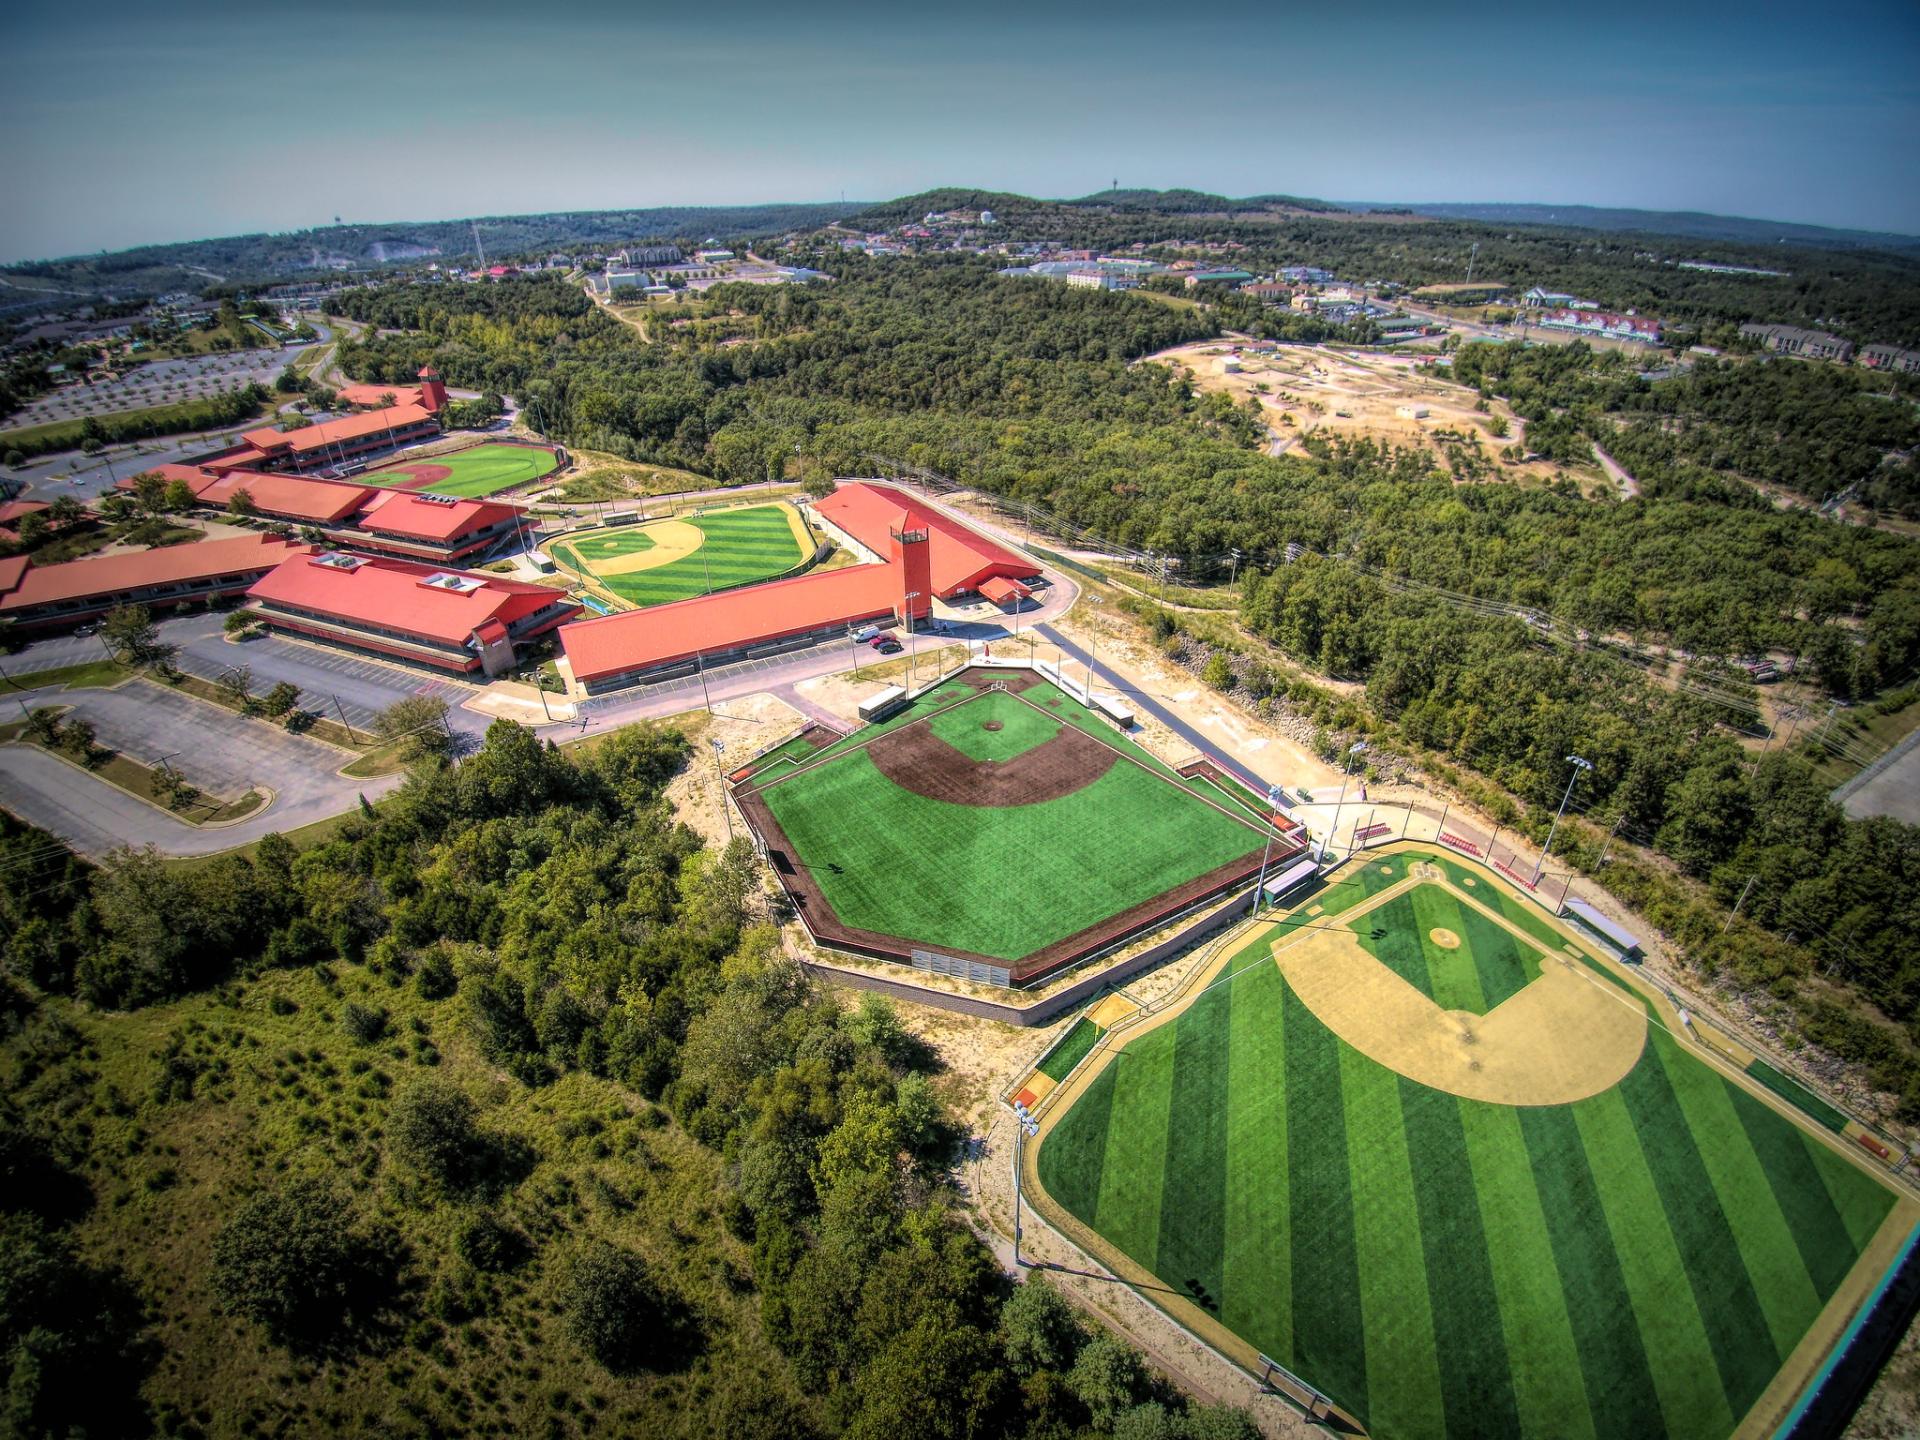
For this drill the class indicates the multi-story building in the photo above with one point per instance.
(1891, 357)
(1807, 344)
(51, 597)
(455, 620)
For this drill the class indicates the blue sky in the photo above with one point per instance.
(131, 124)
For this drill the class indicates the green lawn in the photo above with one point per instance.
(1638, 1263)
(1001, 882)
(1021, 727)
(481, 471)
(741, 547)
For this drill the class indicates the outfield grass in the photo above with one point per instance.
(477, 472)
(739, 547)
(1637, 1263)
(1003, 882)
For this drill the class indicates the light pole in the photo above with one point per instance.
(1354, 750)
(1260, 886)
(912, 649)
(1579, 767)
(1093, 655)
(700, 668)
(720, 776)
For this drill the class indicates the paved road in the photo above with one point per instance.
(1892, 788)
(1141, 700)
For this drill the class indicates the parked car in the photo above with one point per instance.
(881, 639)
(889, 646)
(867, 634)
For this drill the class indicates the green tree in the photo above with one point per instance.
(1038, 1329)
(130, 633)
(417, 725)
(297, 1260)
(281, 699)
(432, 1131)
(241, 506)
(614, 1311)
(1108, 1378)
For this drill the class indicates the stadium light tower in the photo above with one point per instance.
(1260, 886)
(1580, 767)
(1354, 751)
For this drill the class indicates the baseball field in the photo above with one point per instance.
(470, 474)
(1000, 824)
(665, 560)
(1420, 1149)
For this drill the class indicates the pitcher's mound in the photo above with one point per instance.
(992, 725)
(1445, 939)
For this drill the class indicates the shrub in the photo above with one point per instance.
(365, 1024)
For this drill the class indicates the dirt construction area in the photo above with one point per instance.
(1355, 395)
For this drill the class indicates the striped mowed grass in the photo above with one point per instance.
(738, 547)
(1640, 1262)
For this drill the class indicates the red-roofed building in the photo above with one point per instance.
(961, 556)
(12, 512)
(410, 524)
(671, 640)
(428, 394)
(437, 527)
(455, 620)
(46, 597)
(333, 442)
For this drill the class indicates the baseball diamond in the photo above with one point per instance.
(997, 820)
(1460, 1176)
(470, 474)
(667, 560)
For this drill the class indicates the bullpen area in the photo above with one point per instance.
(664, 560)
(996, 820)
(1419, 1147)
(471, 474)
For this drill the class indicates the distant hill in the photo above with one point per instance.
(1689, 224)
(1199, 202)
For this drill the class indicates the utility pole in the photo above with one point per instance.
(700, 669)
(1580, 767)
(351, 737)
(1610, 834)
(1738, 903)
(1233, 574)
(719, 775)
(1093, 655)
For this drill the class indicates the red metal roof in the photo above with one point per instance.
(279, 497)
(12, 567)
(100, 575)
(431, 517)
(328, 432)
(14, 511)
(374, 394)
(641, 639)
(962, 557)
(1000, 590)
(392, 595)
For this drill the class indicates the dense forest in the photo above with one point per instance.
(1027, 391)
(501, 1112)
(1813, 430)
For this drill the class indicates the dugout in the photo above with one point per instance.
(1287, 879)
(1616, 936)
(887, 702)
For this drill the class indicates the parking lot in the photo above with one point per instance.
(158, 382)
(334, 683)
